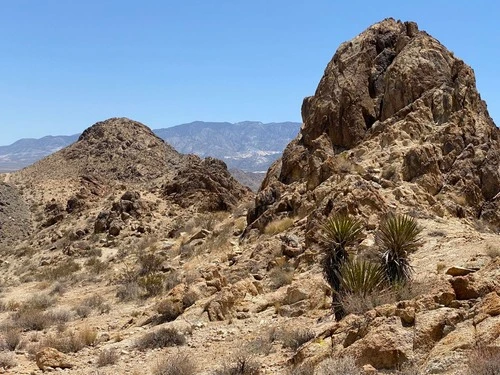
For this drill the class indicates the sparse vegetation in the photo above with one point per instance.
(278, 226)
(337, 366)
(107, 357)
(161, 338)
(177, 364)
(294, 338)
(484, 361)
(242, 365)
(7, 360)
(153, 284)
(11, 338)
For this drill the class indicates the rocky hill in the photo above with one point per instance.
(396, 123)
(132, 258)
(243, 146)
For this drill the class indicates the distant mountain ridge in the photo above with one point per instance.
(250, 145)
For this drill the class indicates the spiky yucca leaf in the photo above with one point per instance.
(361, 277)
(338, 233)
(398, 236)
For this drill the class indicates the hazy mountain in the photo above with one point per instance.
(29, 150)
(250, 146)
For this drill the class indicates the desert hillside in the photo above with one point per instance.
(120, 255)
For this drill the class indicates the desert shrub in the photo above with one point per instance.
(58, 316)
(484, 361)
(7, 360)
(337, 366)
(31, 319)
(39, 302)
(71, 342)
(60, 271)
(242, 365)
(149, 262)
(58, 288)
(93, 302)
(152, 284)
(303, 369)
(278, 226)
(11, 338)
(161, 338)
(359, 304)
(294, 338)
(399, 235)
(177, 364)
(128, 291)
(107, 357)
(95, 265)
(280, 276)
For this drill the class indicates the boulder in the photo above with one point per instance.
(52, 358)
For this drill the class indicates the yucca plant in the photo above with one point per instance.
(360, 277)
(339, 232)
(399, 235)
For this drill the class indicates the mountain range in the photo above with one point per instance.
(246, 146)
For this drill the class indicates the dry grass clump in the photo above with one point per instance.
(280, 276)
(10, 338)
(278, 226)
(94, 302)
(294, 338)
(177, 364)
(60, 271)
(96, 266)
(304, 369)
(336, 366)
(107, 357)
(7, 360)
(484, 361)
(160, 339)
(242, 365)
(69, 342)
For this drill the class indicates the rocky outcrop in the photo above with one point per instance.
(396, 118)
(205, 185)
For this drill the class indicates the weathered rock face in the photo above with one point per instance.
(399, 116)
(206, 185)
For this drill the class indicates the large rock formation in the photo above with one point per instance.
(205, 184)
(396, 122)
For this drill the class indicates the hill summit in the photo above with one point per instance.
(117, 148)
(396, 123)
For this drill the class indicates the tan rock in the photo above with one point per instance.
(490, 304)
(459, 271)
(50, 357)
(384, 347)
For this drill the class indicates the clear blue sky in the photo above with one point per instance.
(67, 64)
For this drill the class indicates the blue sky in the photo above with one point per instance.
(67, 64)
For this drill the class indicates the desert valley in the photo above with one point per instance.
(121, 255)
